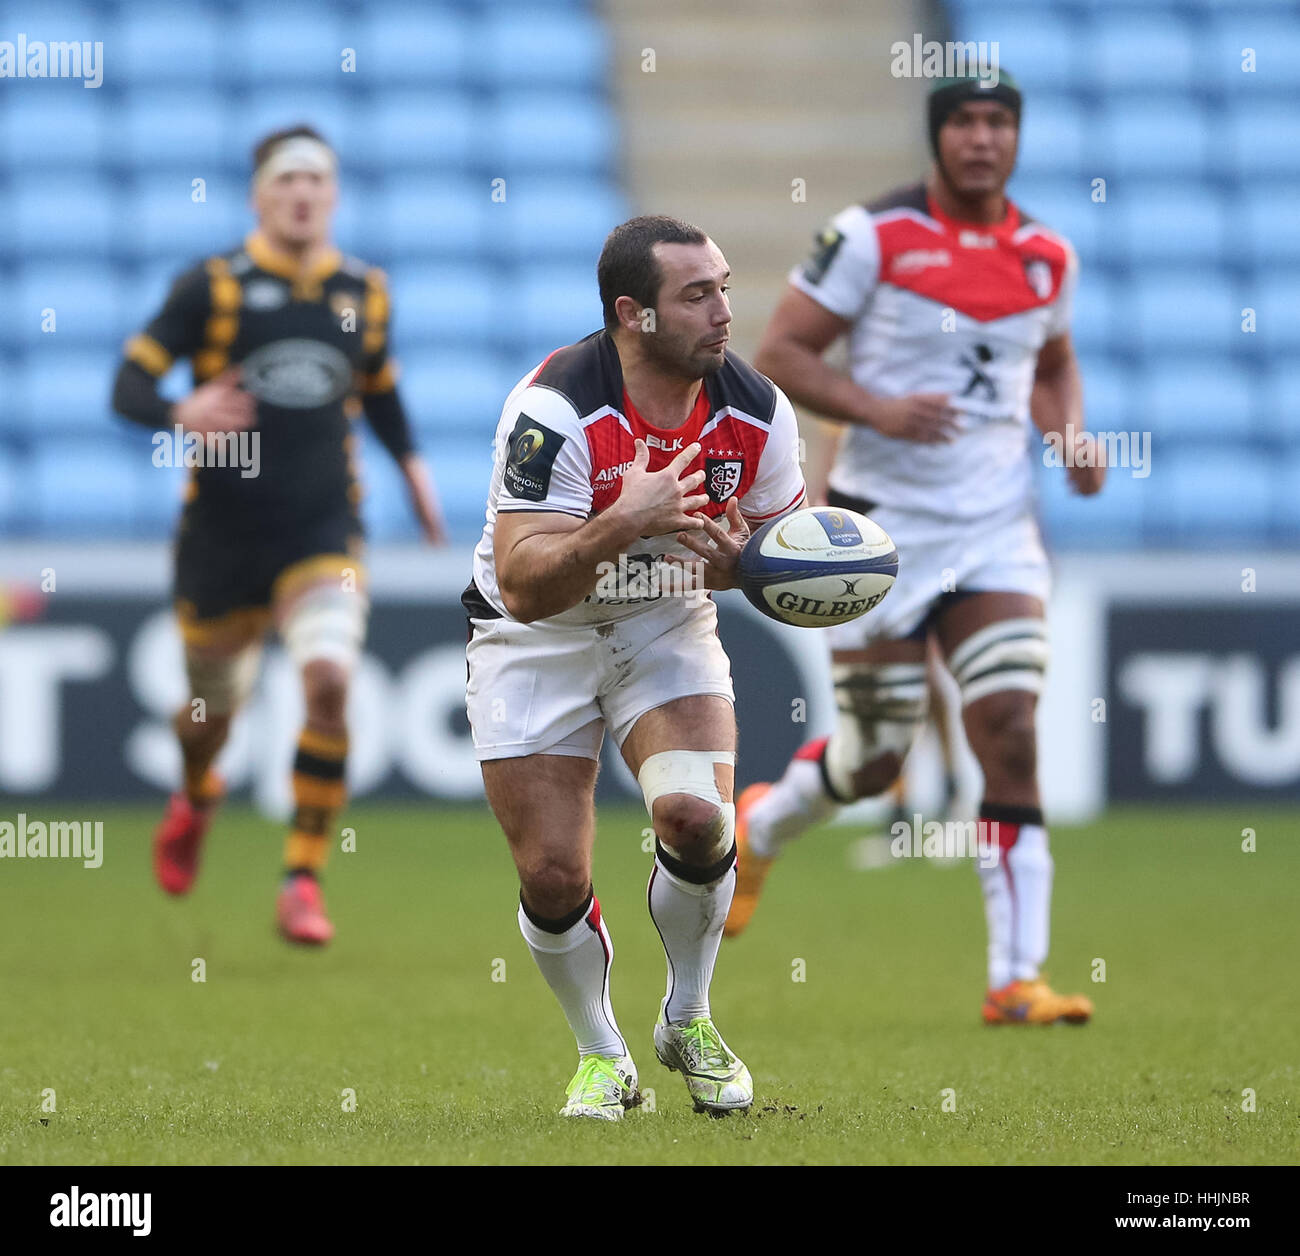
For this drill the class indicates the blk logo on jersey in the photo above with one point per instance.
(722, 477)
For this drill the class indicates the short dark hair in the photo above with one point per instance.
(264, 146)
(627, 266)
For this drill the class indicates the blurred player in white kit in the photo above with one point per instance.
(957, 308)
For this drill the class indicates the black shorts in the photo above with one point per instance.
(221, 572)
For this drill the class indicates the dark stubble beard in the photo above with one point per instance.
(673, 355)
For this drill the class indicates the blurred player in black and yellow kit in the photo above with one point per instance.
(283, 333)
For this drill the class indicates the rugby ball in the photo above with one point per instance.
(818, 566)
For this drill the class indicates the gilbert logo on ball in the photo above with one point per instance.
(817, 567)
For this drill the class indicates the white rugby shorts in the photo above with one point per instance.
(1001, 554)
(542, 689)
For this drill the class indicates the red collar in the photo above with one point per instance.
(694, 420)
(1009, 225)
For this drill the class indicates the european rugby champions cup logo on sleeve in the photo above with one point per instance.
(532, 454)
(825, 245)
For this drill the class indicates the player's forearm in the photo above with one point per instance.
(387, 418)
(809, 381)
(136, 397)
(551, 572)
(1056, 402)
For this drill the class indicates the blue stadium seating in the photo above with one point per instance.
(449, 303)
(1280, 406)
(1286, 498)
(1147, 136)
(169, 223)
(145, 48)
(1108, 394)
(1098, 318)
(555, 306)
(47, 127)
(1199, 398)
(1056, 136)
(1112, 518)
(1275, 40)
(455, 392)
(422, 130)
(84, 298)
(1193, 308)
(1143, 212)
(290, 42)
(84, 488)
(551, 131)
(1210, 494)
(1266, 227)
(436, 216)
(1265, 139)
(1201, 162)
(1138, 50)
(520, 47)
(12, 480)
(62, 390)
(177, 129)
(560, 219)
(63, 217)
(416, 45)
(1275, 296)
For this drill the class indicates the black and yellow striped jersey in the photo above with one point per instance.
(312, 347)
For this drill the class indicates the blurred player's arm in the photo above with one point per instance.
(1057, 406)
(548, 560)
(826, 296)
(1056, 403)
(177, 332)
(387, 416)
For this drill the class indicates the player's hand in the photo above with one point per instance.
(663, 501)
(718, 548)
(424, 499)
(220, 405)
(923, 417)
(1086, 480)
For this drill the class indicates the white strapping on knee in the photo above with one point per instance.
(326, 622)
(691, 772)
(1011, 654)
(881, 710)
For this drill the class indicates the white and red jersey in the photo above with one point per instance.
(566, 437)
(942, 306)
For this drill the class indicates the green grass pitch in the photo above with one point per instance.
(857, 1063)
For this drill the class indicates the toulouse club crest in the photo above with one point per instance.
(722, 477)
(1039, 275)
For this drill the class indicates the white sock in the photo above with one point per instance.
(795, 803)
(576, 966)
(689, 917)
(1017, 906)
